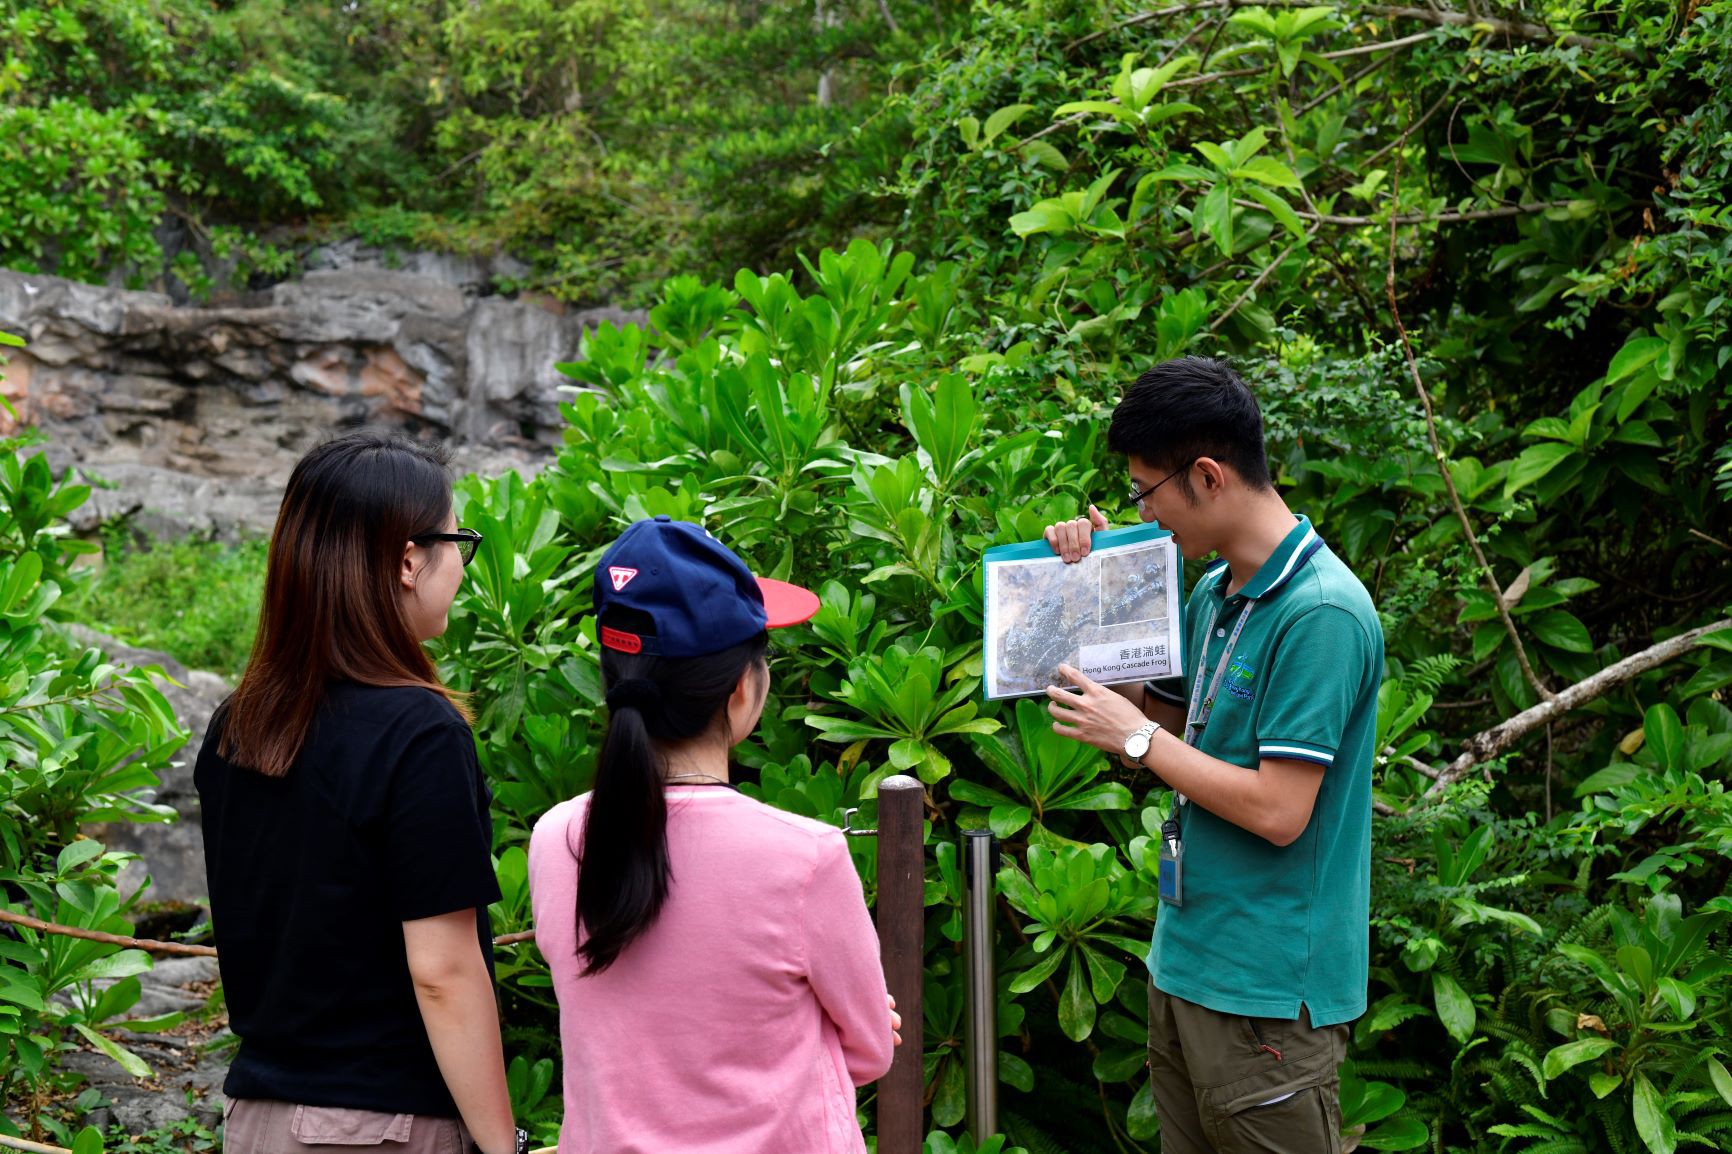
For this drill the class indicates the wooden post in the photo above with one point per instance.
(902, 946)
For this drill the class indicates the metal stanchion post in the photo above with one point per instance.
(979, 905)
(902, 946)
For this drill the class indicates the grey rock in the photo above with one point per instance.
(187, 1073)
(198, 413)
(470, 273)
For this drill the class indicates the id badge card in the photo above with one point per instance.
(1172, 876)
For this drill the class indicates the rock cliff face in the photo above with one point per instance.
(198, 413)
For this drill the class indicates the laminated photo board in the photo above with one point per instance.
(1115, 614)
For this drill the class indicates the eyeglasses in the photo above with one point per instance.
(468, 540)
(1137, 498)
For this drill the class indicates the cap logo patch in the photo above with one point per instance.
(620, 576)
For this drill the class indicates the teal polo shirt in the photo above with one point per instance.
(1265, 928)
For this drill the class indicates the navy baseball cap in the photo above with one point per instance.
(669, 588)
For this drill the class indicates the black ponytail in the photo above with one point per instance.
(624, 874)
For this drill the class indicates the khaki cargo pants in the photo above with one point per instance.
(1227, 1084)
(262, 1126)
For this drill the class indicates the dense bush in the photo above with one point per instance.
(195, 599)
(607, 143)
(1528, 467)
(79, 739)
(1550, 951)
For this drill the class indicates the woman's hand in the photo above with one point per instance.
(1073, 539)
(1097, 716)
(895, 1021)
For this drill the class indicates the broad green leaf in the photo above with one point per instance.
(88, 1141)
(1665, 736)
(1278, 208)
(1653, 1125)
(1039, 972)
(1454, 1008)
(1571, 1054)
(1141, 1120)
(1045, 155)
(1722, 1080)
(1638, 353)
(1215, 155)
(1535, 462)
(1561, 630)
(1003, 119)
(1103, 107)
(77, 854)
(1046, 216)
(1678, 995)
(1638, 963)
(1267, 170)
(1602, 1083)
(128, 1061)
(1076, 1006)
(1611, 777)
(1215, 215)
(1405, 1133)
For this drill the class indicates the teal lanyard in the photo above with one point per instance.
(1200, 708)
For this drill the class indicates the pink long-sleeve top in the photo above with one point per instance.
(741, 1021)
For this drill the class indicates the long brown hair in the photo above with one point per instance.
(331, 606)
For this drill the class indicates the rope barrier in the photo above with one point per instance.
(178, 949)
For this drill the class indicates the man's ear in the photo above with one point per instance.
(1214, 474)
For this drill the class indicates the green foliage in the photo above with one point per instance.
(79, 739)
(1087, 193)
(197, 600)
(187, 1136)
(608, 143)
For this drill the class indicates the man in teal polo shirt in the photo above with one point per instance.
(1261, 941)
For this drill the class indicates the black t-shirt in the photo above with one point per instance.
(382, 819)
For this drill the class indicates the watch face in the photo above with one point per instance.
(1136, 745)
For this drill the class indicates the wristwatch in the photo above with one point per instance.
(520, 1143)
(1137, 744)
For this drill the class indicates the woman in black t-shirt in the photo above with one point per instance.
(346, 830)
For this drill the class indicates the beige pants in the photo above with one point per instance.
(261, 1126)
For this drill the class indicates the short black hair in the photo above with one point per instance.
(1188, 408)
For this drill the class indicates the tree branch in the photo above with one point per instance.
(1512, 29)
(1443, 459)
(1228, 74)
(1215, 325)
(1488, 744)
(181, 949)
(1422, 217)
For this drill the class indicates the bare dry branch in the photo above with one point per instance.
(1510, 29)
(1422, 217)
(1442, 458)
(181, 949)
(1488, 744)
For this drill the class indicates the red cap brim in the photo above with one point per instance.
(786, 604)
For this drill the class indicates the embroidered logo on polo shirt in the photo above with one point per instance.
(620, 576)
(1241, 680)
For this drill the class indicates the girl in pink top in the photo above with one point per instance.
(717, 972)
